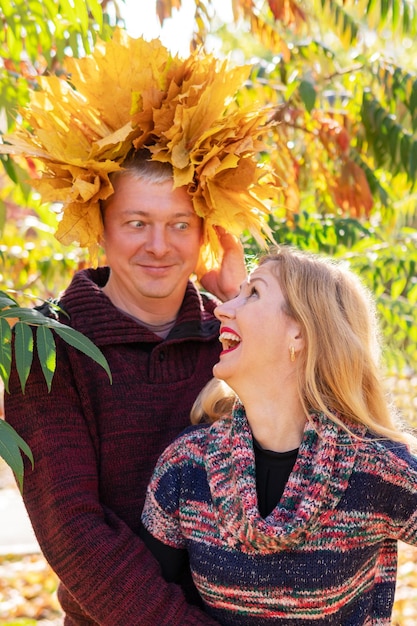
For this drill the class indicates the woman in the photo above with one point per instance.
(290, 508)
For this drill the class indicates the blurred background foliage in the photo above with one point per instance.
(341, 79)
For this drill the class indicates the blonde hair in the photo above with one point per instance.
(214, 401)
(338, 370)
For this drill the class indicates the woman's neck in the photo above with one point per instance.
(277, 422)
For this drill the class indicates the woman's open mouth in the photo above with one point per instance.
(229, 339)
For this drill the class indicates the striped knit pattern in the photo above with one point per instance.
(325, 556)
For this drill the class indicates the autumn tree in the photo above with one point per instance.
(339, 82)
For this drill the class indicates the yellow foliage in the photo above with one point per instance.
(129, 94)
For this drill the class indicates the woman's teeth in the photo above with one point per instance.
(229, 340)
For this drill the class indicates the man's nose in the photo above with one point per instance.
(157, 241)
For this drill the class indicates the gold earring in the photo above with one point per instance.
(292, 353)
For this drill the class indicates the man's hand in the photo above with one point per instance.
(225, 282)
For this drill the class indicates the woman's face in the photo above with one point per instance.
(256, 333)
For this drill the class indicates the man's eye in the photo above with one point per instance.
(137, 223)
(181, 225)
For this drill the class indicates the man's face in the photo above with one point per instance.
(152, 240)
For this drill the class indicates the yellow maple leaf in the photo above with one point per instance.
(129, 94)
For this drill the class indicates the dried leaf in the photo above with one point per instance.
(131, 93)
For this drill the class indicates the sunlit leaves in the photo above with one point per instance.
(391, 143)
(11, 314)
(27, 324)
(351, 190)
(399, 16)
(343, 23)
(32, 27)
(389, 269)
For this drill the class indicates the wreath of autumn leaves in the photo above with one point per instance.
(131, 93)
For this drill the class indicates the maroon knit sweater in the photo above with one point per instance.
(95, 445)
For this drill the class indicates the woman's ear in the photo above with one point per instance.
(297, 338)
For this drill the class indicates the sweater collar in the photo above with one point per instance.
(84, 301)
(319, 478)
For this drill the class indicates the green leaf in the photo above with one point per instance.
(45, 345)
(81, 10)
(412, 294)
(395, 14)
(51, 8)
(384, 7)
(23, 351)
(308, 94)
(370, 7)
(393, 135)
(398, 287)
(29, 316)
(68, 12)
(45, 341)
(5, 352)
(9, 167)
(82, 343)
(3, 212)
(413, 161)
(405, 146)
(406, 17)
(11, 448)
(413, 99)
(7, 8)
(96, 11)
(6, 300)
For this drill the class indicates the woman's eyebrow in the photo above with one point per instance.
(252, 279)
(257, 279)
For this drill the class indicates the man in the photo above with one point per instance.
(95, 443)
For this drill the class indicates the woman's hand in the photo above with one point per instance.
(225, 281)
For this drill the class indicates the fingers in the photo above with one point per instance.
(227, 240)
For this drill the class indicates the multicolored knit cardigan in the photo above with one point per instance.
(326, 555)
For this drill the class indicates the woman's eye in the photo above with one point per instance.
(253, 292)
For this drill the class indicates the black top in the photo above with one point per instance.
(272, 472)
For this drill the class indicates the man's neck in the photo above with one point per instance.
(151, 312)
